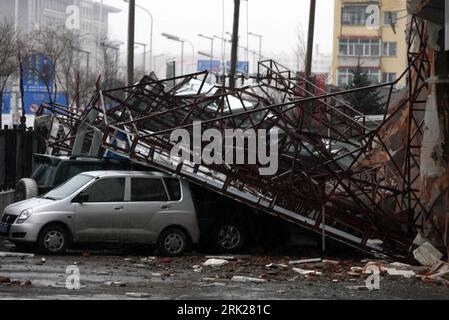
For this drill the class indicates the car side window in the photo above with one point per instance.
(174, 188)
(148, 190)
(107, 190)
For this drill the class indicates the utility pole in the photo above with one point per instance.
(309, 54)
(235, 44)
(131, 32)
(306, 118)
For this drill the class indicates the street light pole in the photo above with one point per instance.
(182, 58)
(151, 33)
(131, 32)
(179, 39)
(151, 36)
(224, 53)
(235, 43)
(260, 43)
(211, 53)
(144, 45)
(310, 39)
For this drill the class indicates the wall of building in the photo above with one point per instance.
(394, 64)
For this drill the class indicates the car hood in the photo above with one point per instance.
(17, 208)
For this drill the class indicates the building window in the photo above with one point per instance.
(390, 49)
(388, 77)
(390, 17)
(359, 47)
(354, 15)
(345, 75)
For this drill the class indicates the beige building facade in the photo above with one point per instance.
(374, 33)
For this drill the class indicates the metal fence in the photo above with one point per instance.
(17, 146)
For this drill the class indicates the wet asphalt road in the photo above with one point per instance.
(118, 277)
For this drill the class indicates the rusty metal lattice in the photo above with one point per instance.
(358, 176)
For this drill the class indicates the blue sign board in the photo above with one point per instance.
(37, 82)
(33, 100)
(242, 66)
(206, 65)
(38, 73)
(6, 105)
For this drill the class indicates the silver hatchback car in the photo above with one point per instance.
(107, 206)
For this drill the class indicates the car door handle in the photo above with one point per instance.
(165, 206)
(118, 208)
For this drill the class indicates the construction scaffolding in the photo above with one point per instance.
(356, 179)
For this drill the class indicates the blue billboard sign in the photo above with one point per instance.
(6, 103)
(242, 66)
(33, 100)
(38, 73)
(206, 65)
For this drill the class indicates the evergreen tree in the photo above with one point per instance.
(368, 102)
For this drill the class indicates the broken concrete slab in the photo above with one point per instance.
(427, 255)
(403, 273)
(295, 262)
(400, 265)
(16, 255)
(307, 272)
(331, 262)
(231, 258)
(215, 263)
(276, 266)
(247, 279)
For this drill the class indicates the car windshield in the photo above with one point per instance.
(68, 188)
(42, 174)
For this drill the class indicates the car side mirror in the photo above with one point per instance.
(81, 198)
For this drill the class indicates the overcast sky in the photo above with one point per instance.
(276, 20)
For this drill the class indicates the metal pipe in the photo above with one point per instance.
(131, 33)
(235, 43)
(309, 54)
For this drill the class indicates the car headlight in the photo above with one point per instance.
(24, 215)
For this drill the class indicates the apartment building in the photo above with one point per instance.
(380, 47)
(40, 14)
(34, 14)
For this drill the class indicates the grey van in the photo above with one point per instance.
(107, 206)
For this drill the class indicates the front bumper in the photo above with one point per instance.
(21, 232)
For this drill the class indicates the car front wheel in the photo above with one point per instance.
(53, 240)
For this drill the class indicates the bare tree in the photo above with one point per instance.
(300, 48)
(8, 58)
(82, 84)
(109, 59)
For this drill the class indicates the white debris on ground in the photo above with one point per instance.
(427, 255)
(304, 261)
(215, 262)
(307, 272)
(16, 255)
(247, 279)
